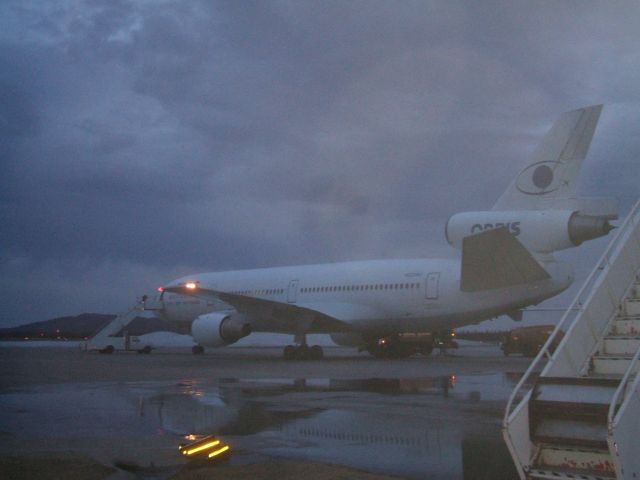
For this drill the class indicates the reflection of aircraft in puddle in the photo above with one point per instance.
(214, 410)
(183, 414)
(434, 448)
(442, 447)
(437, 385)
(486, 386)
(240, 407)
(392, 443)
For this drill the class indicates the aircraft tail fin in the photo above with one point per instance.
(497, 259)
(549, 179)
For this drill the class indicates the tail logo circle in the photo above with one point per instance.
(538, 178)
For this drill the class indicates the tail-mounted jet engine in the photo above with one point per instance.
(542, 231)
(219, 329)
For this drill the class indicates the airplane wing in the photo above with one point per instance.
(325, 317)
(497, 259)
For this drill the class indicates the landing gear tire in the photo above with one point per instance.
(146, 349)
(426, 350)
(289, 352)
(302, 352)
(109, 349)
(197, 349)
(316, 352)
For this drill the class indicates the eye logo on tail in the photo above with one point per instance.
(538, 178)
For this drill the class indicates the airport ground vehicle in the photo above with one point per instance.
(528, 340)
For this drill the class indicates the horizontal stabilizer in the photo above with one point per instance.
(496, 259)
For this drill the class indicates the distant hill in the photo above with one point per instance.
(83, 325)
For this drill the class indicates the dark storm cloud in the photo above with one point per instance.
(144, 140)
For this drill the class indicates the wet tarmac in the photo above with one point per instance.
(440, 419)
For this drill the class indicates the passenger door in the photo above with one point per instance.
(292, 292)
(432, 285)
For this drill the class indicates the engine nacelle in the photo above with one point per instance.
(542, 231)
(219, 329)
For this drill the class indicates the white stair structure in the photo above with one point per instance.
(581, 418)
(106, 340)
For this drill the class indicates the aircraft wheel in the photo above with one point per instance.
(316, 352)
(197, 349)
(108, 349)
(289, 352)
(378, 352)
(146, 349)
(303, 353)
(426, 350)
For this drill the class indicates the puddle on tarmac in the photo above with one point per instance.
(417, 428)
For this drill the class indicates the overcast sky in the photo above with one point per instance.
(142, 141)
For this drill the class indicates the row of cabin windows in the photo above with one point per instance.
(360, 288)
(340, 288)
(268, 291)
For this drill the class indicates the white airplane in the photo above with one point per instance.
(398, 307)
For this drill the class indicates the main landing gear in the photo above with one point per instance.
(302, 351)
(197, 349)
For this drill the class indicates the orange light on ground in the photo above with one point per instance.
(202, 447)
(219, 451)
(206, 446)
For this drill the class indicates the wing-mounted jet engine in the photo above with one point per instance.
(218, 329)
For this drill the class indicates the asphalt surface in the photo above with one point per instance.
(437, 417)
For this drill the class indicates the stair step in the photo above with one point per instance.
(631, 306)
(614, 364)
(574, 390)
(621, 344)
(626, 325)
(590, 460)
(571, 432)
(571, 411)
(568, 474)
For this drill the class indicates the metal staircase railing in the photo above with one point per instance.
(585, 322)
(105, 336)
(622, 419)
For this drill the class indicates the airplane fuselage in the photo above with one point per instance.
(378, 296)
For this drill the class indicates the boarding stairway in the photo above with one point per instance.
(111, 337)
(580, 418)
